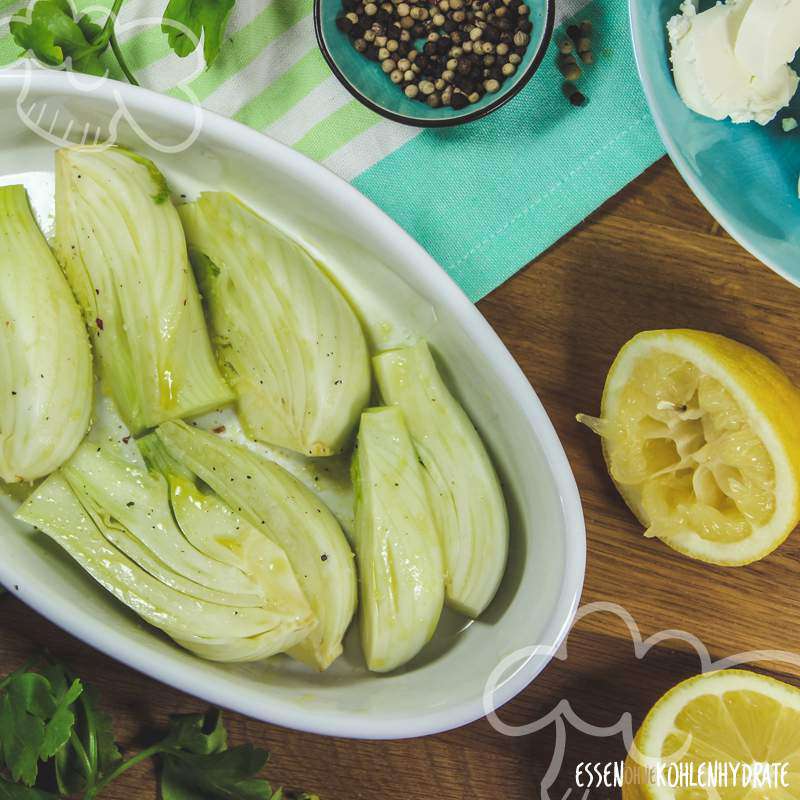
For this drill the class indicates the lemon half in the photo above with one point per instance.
(730, 717)
(701, 436)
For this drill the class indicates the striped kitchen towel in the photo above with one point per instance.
(484, 198)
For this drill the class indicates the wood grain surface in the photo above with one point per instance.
(649, 258)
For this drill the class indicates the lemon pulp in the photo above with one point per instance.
(701, 436)
(685, 449)
(727, 717)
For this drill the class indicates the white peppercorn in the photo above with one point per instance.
(390, 65)
(438, 19)
(502, 49)
(473, 97)
(447, 96)
(419, 13)
(403, 9)
(478, 48)
(492, 85)
(405, 36)
(392, 45)
(523, 10)
(455, 5)
(521, 38)
(515, 58)
(448, 75)
(403, 64)
(353, 17)
(369, 36)
(439, 83)
(508, 70)
(488, 48)
(444, 5)
(412, 55)
(360, 45)
(383, 54)
(426, 87)
(411, 91)
(434, 100)
(406, 23)
(451, 64)
(370, 9)
(456, 51)
(433, 36)
(380, 41)
(395, 76)
(409, 75)
(475, 34)
(467, 46)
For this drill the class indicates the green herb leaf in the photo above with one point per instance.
(91, 752)
(219, 776)
(27, 702)
(206, 17)
(52, 33)
(61, 723)
(13, 791)
(200, 734)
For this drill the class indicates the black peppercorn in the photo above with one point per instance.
(459, 101)
(344, 24)
(371, 53)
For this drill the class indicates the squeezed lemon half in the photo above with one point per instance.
(727, 717)
(701, 436)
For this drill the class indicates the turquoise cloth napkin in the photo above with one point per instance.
(484, 198)
(488, 197)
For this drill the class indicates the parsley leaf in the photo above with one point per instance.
(198, 766)
(58, 35)
(52, 33)
(48, 717)
(36, 721)
(13, 791)
(206, 17)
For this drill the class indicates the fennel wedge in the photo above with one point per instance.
(120, 242)
(45, 359)
(287, 340)
(465, 492)
(401, 576)
(291, 516)
(182, 560)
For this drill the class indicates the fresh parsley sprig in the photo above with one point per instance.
(56, 743)
(56, 34)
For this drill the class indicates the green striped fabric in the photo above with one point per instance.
(268, 65)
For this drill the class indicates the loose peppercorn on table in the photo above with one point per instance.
(650, 258)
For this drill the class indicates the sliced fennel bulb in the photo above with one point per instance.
(180, 559)
(289, 343)
(122, 247)
(464, 489)
(291, 516)
(45, 360)
(401, 574)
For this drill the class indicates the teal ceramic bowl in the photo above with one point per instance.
(745, 175)
(366, 81)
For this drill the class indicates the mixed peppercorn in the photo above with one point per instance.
(441, 52)
(579, 40)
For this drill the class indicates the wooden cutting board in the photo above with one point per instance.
(650, 258)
